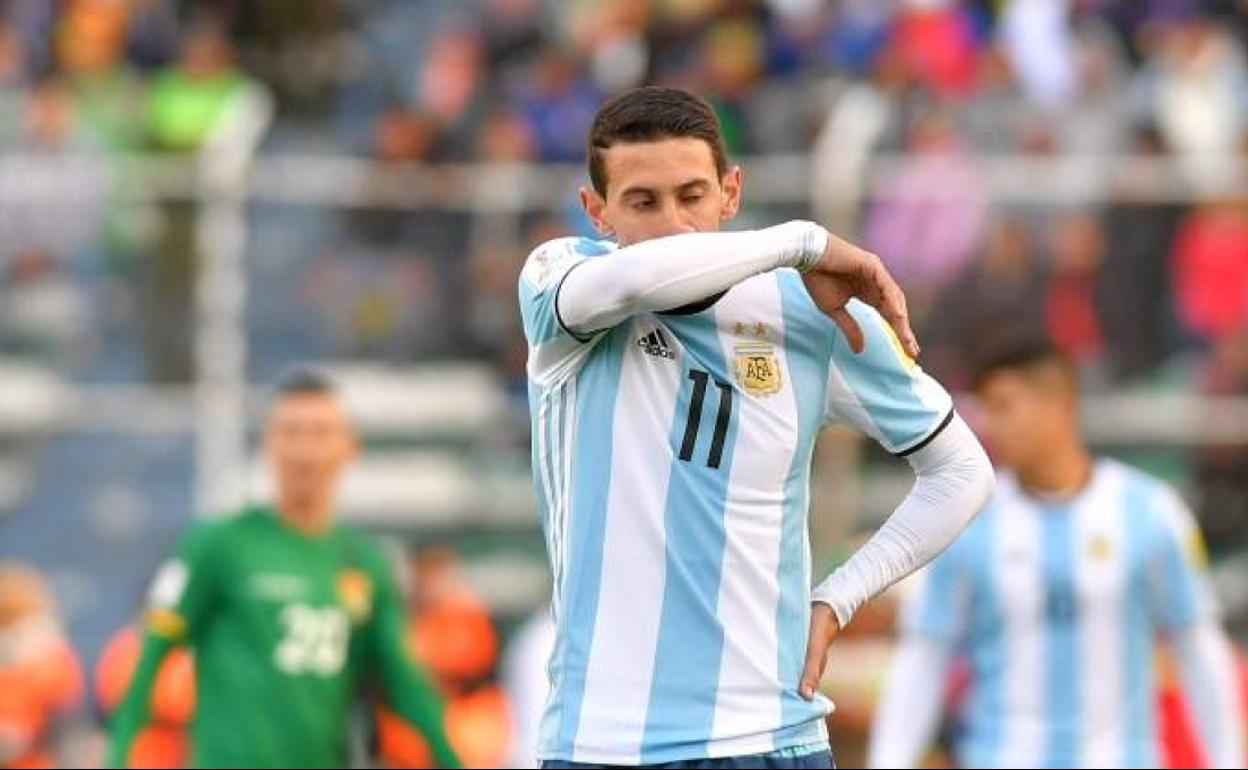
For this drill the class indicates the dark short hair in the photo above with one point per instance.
(305, 381)
(648, 114)
(1018, 350)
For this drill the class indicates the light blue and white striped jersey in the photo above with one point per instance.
(1057, 605)
(671, 459)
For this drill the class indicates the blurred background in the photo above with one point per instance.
(196, 195)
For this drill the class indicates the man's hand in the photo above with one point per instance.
(823, 629)
(846, 271)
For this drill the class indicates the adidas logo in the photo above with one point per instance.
(655, 344)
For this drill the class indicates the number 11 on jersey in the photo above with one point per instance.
(694, 419)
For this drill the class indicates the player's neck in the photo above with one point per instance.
(306, 517)
(1062, 474)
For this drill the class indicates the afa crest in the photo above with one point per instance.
(757, 369)
(1099, 548)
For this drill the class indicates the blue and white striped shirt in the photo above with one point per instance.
(1056, 605)
(671, 458)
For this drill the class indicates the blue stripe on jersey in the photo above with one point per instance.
(1137, 640)
(690, 643)
(594, 423)
(1061, 646)
(538, 314)
(1179, 600)
(593, 248)
(808, 370)
(883, 386)
(537, 308)
(986, 640)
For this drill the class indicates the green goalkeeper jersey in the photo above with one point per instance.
(286, 629)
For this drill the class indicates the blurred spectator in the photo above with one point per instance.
(559, 104)
(1004, 287)
(40, 679)
(151, 33)
(1140, 230)
(1198, 77)
(1210, 268)
(929, 216)
(1037, 36)
(863, 116)
(1222, 470)
(450, 92)
(163, 743)
(106, 93)
(1097, 117)
(858, 31)
(403, 136)
(732, 61)
(12, 85)
(505, 138)
(451, 633)
(43, 313)
(612, 37)
(512, 35)
(206, 108)
(1071, 302)
(937, 42)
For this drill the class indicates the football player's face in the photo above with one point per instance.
(308, 441)
(661, 188)
(1023, 418)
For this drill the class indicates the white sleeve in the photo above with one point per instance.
(908, 714)
(954, 480)
(666, 273)
(1207, 666)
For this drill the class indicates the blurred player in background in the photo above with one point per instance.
(40, 679)
(287, 613)
(1056, 594)
(678, 378)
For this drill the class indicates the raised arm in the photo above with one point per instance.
(666, 273)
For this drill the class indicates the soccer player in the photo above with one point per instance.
(678, 377)
(287, 614)
(1055, 595)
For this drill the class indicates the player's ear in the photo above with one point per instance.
(595, 208)
(730, 185)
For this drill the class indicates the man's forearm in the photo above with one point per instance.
(132, 714)
(1207, 665)
(908, 714)
(666, 273)
(954, 480)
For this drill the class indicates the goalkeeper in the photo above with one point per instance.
(289, 615)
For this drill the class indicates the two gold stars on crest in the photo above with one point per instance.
(758, 330)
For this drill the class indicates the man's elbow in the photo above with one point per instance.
(982, 480)
(959, 460)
